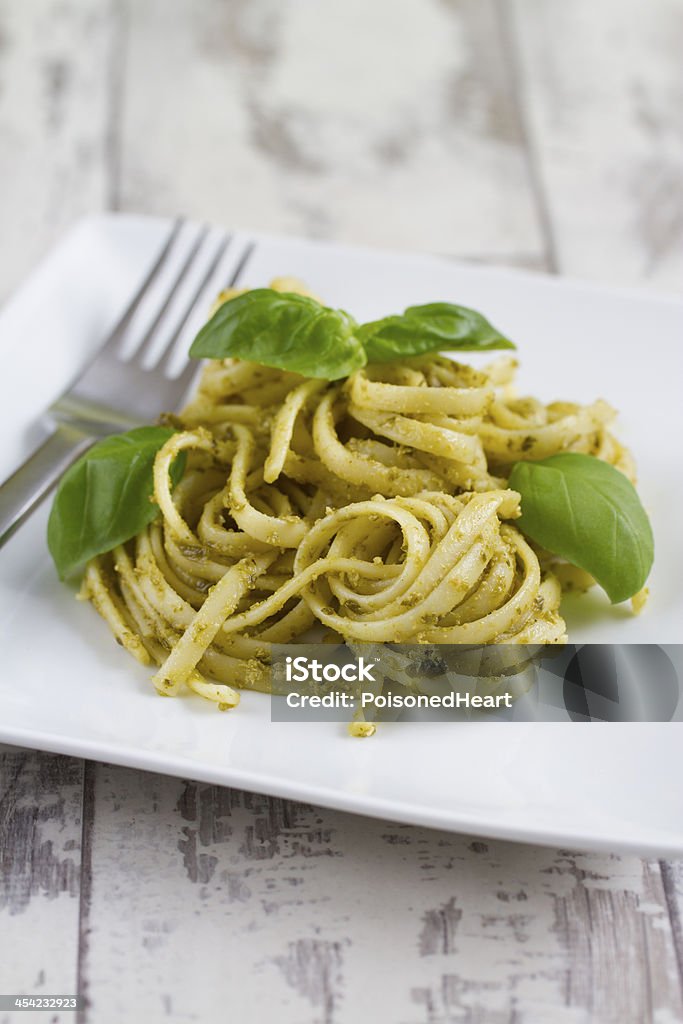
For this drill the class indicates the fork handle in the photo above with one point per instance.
(22, 492)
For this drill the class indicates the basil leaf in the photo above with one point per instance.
(104, 498)
(284, 330)
(430, 328)
(587, 512)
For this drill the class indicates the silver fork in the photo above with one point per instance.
(137, 393)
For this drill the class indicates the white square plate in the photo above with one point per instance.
(66, 687)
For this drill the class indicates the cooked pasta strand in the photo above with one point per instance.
(377, 508)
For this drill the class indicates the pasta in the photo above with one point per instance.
(375, 507)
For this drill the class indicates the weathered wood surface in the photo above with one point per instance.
(40, 859)
(54, 124)
(601, 85)
(335, 918)
(198, 897)
(404, 131)
(540, 133)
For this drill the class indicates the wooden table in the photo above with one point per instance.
(536, 132)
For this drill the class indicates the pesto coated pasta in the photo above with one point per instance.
(376, 507)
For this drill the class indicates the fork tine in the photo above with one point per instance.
(166, 356)
(145, 345)
(123, 324)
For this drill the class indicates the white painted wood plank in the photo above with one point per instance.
(205, 899)
(602, 85)
(54, 98)
(40, 859)
(380, 123)
(672, 881)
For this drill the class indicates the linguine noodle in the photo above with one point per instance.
(375, 507)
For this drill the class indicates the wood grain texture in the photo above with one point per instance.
(602, 90)
(404, 132)
(40, 841)
(672, 882)
(205, 897)
(54, 123)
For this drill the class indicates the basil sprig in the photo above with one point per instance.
(587, 512)
(430, 328)
(105, 498)
(297, 333)
(284, 330)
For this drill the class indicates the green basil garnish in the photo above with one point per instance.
(587, 512)
(297, 333)
(104, 499)
(430, 328)
(284, 330)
